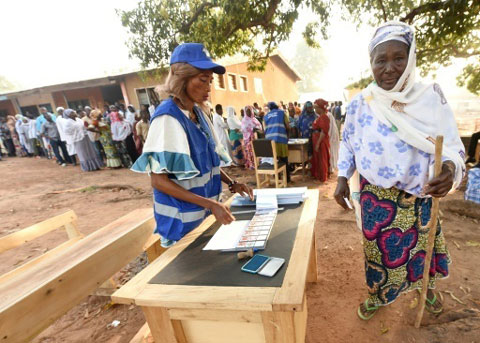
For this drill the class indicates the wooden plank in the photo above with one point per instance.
(153, 248)
(207, 297)
(279, 327)
(142, 335)
(129, 291)
(300, 321)
(33, 300)
(37, 260)
(71, 229)
(226, 332)
(215, 315)
(26, 235)
(290, 296)
(161, 326)
(312, 274)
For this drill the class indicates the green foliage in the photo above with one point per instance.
(225, 27)
(361, 84)
(444, 29)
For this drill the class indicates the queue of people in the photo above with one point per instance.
(113, 138)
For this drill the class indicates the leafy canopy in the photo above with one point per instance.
(444, 29)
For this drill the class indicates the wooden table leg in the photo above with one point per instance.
(163, 329)
(312, 273)
(279, 327)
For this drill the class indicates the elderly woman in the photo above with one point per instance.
(389, 139)
(181, 152)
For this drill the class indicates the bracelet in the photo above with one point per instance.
(231, 184)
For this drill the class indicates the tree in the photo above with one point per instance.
(444, 29)
(225, 27)
(309, 62)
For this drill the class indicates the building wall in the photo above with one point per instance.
(7, 105)
(277, 85)
(93, 94)
(134, 81)
(36, 99)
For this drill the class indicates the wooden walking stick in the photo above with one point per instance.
(431, 233)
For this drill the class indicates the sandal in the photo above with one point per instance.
(374, 309)
(432, 302)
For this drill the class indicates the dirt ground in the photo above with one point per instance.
(26, 198)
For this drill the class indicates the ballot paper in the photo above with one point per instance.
(227, 236)
(266, 201)
(245, 234)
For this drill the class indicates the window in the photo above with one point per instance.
(232, 82)
(29, 110)
(219, 81)
(258, 85)
(48, 106)
(75, 105)
(243, 84)
(147, 96)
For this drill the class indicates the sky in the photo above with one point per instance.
(53, 41)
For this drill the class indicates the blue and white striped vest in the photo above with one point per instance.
(175, 218)
(275, 126)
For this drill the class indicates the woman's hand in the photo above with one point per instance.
(243, 190)
(439, 186)
(342, 191)
(221, 212)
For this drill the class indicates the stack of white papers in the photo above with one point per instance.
(285, 196)
(266, 201)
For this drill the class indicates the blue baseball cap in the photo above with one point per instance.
(197, 56)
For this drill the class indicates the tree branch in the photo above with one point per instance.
(425, 8)
(204, 5)
(380, 2)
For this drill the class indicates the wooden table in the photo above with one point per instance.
(186, 313)
(298, 153)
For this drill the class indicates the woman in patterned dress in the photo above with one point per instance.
(99, 126)
(389, 140)
(250, 124)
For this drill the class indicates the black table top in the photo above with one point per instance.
(197, 267)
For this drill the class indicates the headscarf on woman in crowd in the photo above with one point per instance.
(321, 143)
(235, 136)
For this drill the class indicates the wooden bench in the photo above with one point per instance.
(66, 221)
(32, 298)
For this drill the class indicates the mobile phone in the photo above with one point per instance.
(255, 264)
(272, 266)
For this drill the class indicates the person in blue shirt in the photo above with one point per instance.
(182, 153)
(276, 129)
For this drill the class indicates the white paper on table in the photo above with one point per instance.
(227, 236)
(266, 201)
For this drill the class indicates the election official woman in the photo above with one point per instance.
(182, 153)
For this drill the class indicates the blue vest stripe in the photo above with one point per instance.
(275, 129)
(185, 217)
(199, 181)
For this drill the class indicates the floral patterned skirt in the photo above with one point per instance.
(395, 234)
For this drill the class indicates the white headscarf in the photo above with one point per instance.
(416, 112)
(232, 120)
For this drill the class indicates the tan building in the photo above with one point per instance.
(238, 87)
